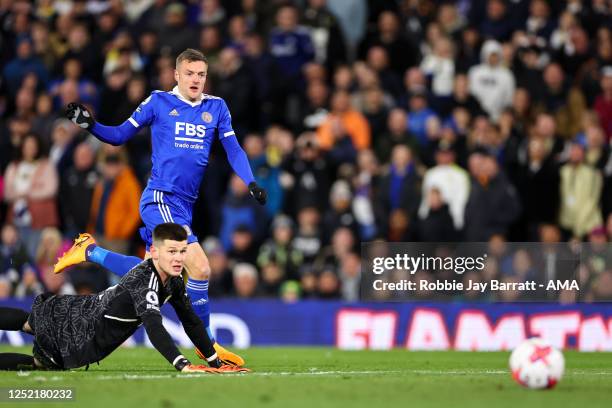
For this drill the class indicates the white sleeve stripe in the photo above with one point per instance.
(151, 280)
(226, 134)
(133, 122)
(176, 360)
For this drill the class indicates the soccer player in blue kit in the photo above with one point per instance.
(184, 123)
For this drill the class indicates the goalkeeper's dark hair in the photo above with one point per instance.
(191, 55)
(169, 230)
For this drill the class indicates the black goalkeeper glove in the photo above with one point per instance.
(79, 115)
(258, 193)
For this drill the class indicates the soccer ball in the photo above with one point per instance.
(536, 364)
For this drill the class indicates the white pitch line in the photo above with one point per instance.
(303, 374)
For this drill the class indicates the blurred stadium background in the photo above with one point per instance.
(413, 120)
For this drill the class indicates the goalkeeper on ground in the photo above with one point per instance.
(73, 331)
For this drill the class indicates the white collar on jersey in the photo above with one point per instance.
(175, 92)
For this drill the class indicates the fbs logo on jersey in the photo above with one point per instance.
(190, 130)
(173, 112)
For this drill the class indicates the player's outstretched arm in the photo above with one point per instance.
(240, 163)
(161, 340)
(83, 118)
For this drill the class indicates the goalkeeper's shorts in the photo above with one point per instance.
(64, 330)
(158, 207)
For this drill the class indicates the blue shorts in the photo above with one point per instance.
(158, 207)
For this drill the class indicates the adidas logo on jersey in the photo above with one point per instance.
(200, 302)
(173, 112)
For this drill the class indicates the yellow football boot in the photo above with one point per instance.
(226, 356)
(76, 253)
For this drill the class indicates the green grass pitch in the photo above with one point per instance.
(322, 377)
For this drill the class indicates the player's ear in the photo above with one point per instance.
(154, 251)
(176, 75)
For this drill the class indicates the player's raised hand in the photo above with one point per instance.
(79, 115)
(258, 193)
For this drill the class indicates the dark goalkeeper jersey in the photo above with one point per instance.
(80, 330)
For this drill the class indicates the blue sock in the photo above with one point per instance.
(114, 262)
(198, 292)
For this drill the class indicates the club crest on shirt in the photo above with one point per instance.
(207, 117)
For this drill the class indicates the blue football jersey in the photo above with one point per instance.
(182, 136)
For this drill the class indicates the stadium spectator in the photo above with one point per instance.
(82, 49)
(175, 34)
(42, 123)
(211, 13)
(280, 247)
(266, 169)
(581, 186)
(364, 184)
(326, 33)
(402, 53)
(235, 85)
(239, 210)
(14, 260)
(378, 61)
(76, 190)
(421, 118)
(73, 72)
(438, 225)
(246, 281)
(350, 274)
(498, 23)
(290, 291)
(243, 247)
(31, 190)
(63, 142)
(291, 47)
(122, 54)
(491, 82)
(328, 284)
(396, 133)
(340, 212)
(603, 103)
(596, 150)
(342, 121)
(493, 204)
(564, 102)
(537, 182)
(399, 188)
(238, 31)
(114, 213)
(51, 246)
(451, 181)
(439, 66)
(220, 273)
(24, 63)
(306, 176)
(308, 237)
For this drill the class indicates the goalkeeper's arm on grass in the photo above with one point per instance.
(161, 340)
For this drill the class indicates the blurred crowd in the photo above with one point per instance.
(394, 120)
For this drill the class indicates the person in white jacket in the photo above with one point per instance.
(451, 180)
(490, 82)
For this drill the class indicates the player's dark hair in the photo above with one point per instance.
(169, 230)
(191, 55)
